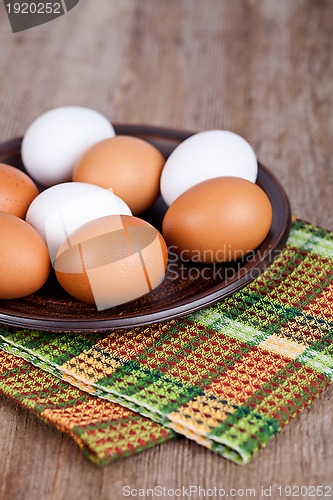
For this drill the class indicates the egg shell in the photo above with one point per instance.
(17, 191)
(112, 260)
(130, 166)
(24, 259)
(218, 220)
(58, 138)
(207, 154)
(61, 209)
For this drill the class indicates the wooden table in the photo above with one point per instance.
(261, 68)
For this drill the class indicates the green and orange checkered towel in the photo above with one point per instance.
(229, 377)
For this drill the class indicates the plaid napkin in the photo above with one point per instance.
(229, 377)
(104, 430)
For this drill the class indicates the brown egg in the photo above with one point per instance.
(218, 220)
(131, 167)
(112, 260)
(17, 191)
(24, 258)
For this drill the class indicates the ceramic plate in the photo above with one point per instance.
(186, 288)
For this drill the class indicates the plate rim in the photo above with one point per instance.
(205, 299)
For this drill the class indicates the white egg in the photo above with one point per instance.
(56, 140)
(208, 154)
(59, 210)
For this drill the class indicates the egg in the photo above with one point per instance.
(60, 209)
(218, 220)
(55, 141)
(24, 259)
(208, 154)
(112, 260)
(129, 165)
(17, 190)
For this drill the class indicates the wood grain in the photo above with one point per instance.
(261, 68)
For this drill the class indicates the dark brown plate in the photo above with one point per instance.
(186, 288)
